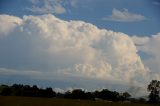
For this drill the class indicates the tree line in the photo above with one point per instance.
(26, 90)
(104, 94)
(34, 91)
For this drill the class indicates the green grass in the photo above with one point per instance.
(32, 101)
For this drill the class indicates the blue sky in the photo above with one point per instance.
(80, 43)
(93, 11)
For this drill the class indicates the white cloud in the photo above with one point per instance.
(150, 46)
(51, 6)
(124, 16)
(68, 51)
(73, 3)
(156, 3)
(9, 24)
(34, 1)
(48, 6)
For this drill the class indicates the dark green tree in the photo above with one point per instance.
(126, 95)
(50, 93)
(78, 94)
(5, 90)
(154, 89)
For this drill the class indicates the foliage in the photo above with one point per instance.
(34, 91)
(154, 89)
(26, 90)
(104, 94)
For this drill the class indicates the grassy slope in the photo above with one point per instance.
(30, 101)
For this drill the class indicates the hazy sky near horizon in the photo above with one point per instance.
(79, 43)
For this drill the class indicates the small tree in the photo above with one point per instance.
(154, 89)
(126, 95)
(50, 93)
(6, 90)
(78, 94)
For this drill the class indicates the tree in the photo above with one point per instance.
(68, 95)
(78, 94)
(108, 95)
(142, 100)
(154, 89)
(126, 95)
(50, 93)
(5, 90)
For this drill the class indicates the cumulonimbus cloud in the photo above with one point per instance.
(50, 46)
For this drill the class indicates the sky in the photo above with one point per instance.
(88, 44)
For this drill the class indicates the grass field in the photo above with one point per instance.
(31, 101)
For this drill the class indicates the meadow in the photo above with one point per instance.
(36, 101)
